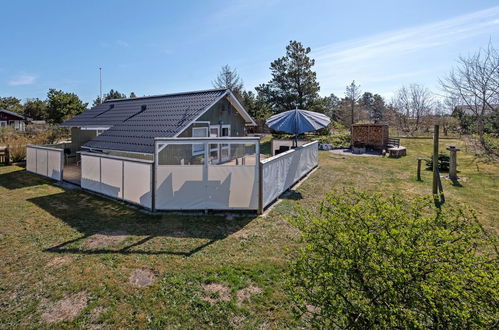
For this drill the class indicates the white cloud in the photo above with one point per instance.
(117, 43)
(122, 43)
(399, 54)
(23, 79)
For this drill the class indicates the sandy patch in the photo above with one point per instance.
(246, 294)
(58, 262)
(65, 309)
(105, 239)
(217, 292)
(142, 278)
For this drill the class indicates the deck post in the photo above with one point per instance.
(260, 187)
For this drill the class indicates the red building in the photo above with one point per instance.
(9, 118)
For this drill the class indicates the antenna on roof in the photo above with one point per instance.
(100, 84)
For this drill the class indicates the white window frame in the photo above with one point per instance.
(3, 123)
(225, 146)
(198, 149)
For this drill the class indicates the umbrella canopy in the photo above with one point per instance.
(298, 121)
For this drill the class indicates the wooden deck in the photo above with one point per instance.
(72, 173)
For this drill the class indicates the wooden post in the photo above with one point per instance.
(7, 155)
(419, 169)
(435, 161)
(453, 163)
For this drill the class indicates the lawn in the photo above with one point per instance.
(71, 257)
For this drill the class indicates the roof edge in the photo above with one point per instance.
(165, 95)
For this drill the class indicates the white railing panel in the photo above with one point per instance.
(111, 177)
(232, 187)
(54, 165)
(31, 159)
(90, 173)
(180, 188)
(41, 162)
(137, 187)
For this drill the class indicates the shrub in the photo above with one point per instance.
(491, 143)
(443, 163)
(337, 140)
(17, 141)
(374, 262)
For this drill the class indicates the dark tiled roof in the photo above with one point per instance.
(12, 113)
(136, 122)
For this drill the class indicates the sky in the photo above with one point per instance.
(159, 47)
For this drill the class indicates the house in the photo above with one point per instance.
(183, 151)
(128, 127)
(9, 118)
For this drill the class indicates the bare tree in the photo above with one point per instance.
(353, 94)
(401, 102)
(229, 78)
(443, 114)
(475, 83)
(414, 103)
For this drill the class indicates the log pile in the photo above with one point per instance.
(373, 136)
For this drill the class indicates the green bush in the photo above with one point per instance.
(337, 140)
(385, 262)
(443, 163)
(492, 142)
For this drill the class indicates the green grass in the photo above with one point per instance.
(40, 222)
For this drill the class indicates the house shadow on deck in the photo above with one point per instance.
(169, 234)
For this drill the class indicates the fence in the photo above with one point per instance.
(46, 161)
(202, 173)
(122, 178)
(188, 173)
(281, 172)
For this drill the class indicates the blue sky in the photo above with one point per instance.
(157, 47)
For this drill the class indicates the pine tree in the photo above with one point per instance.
(294, 83)
(229, 78)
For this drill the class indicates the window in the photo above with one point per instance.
(180, 154)
(198, 149)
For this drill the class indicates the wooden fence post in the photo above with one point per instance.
(438, 191)
(419, 169)
(435, 161)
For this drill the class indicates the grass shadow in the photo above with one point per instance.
(92, 216)
(292, 195)
(20, 179)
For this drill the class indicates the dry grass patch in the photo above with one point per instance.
(66, 309)
(142, 278)
(217, 292)
(245, 294)
(58, 262)
(105, 239)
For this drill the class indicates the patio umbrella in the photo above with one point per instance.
(298, 121)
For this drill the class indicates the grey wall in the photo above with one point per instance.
(79, 137)
(222, 111)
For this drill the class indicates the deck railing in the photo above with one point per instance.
(45, 160)
(281, 172)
